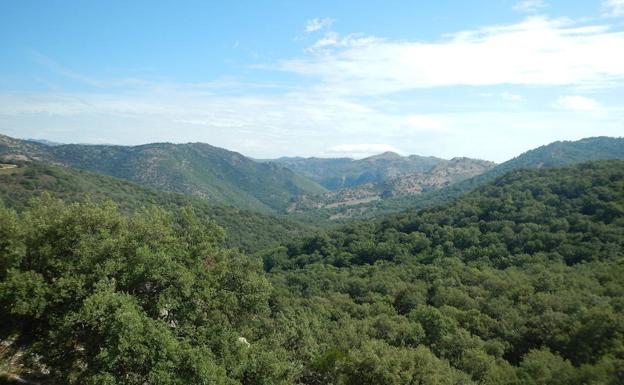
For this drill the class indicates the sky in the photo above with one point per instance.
(484, 79)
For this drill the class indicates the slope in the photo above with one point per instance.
(247, 230)
(556, 154)
(516, 281)
(198, 169)
(337, 173)
(445, 173)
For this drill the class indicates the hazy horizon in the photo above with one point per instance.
(286, 156)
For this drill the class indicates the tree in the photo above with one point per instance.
(103, 298)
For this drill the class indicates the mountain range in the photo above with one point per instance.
(515, 275)
(556, 154)
(443, 173)
(338, 173)
(198, 169)
(225, 177)
(312, 189)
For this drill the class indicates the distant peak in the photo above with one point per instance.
(385, 155)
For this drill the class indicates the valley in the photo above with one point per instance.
(464, 266)
(311, 192)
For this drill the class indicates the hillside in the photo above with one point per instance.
(338, 173)
(517, 282)
(556, 154)
(217, 175)
(538, 196)
(445, 173)
(247, 230)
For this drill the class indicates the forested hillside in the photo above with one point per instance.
(518, 282)
(537, 210)
(377, 185)
(311, 193)
(198, 169)
(250, 231)
(91, 296)
(556, 154)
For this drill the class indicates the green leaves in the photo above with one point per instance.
(101, 297)
(24, 294)
(377, 363)
(517, 283)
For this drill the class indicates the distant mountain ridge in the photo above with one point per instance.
(198, 169)
(556, 154)
(445, 173)
(317, 188)
(46, 142)
(338, 173)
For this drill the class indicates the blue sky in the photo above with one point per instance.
(486, 79)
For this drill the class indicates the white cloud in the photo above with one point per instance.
(333, 39)
(425, 122)
(510, 96)
(195, 122)
(330, 39)
(316, 24)
(614, 7)
(537, 51)
(578, 103)
(529, 6)
(360, 150)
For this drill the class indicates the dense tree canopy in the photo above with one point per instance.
(518, 282)
(101, 298)
(247, 230)
(573, 214)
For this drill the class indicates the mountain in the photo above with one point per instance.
(16, 150)
(337, 173)
(217, 175)
(247, 230)
(556, 154)
(445, 173)
(361, 188)
(563, 153)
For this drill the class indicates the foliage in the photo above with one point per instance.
(573, 214)
(250, 231)
(518, 282)
(102, 298)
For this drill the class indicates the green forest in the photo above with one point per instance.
(516, 282)
(249, 231)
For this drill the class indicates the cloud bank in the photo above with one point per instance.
(537, 51)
